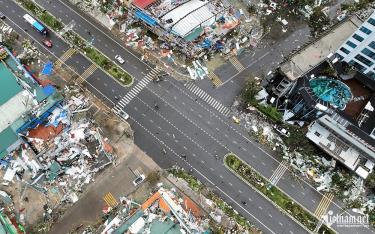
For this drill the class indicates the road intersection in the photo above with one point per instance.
(188, 122)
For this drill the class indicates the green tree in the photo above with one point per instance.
(249, 92)
(370, 181)
(318, 21)
(153, 178)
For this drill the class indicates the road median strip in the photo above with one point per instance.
(93, 54)
(197, 186)
(277, 197)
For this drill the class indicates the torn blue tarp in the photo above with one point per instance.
(49, 90)
(58, 115)
(48, 68)
(206, 44)
(145, 18)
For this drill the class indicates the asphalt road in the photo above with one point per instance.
(183, 125)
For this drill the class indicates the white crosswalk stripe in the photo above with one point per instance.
(137, 89)
(208, 99)
(278, 173)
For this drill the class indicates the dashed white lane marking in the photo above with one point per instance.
(230, 184)
(260, 208)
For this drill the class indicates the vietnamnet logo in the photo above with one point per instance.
(346, 220)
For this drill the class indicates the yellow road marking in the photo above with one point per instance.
(110, 200)
(323, 205)
(88, 72)
(67, 54)
(215, 79)
(236, 64)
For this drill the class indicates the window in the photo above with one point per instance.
(364, 60)
(340, 57)
(371, 74)
(369, 53)
(351, 44)
(372, 45)
(357, 65)
(365, 30)
(371, 21)
(358, 37)
(344, 50)
(317, 134)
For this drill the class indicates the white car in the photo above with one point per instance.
(119, 59)
(341, 17)
(123, 114)
(139, 180)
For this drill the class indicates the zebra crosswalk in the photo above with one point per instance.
(234, 61)
(88, 72)
(215, 79)
(278, 173)
(67, 54)
(208, 99)
(137, 89)
(110, 200)
(323, 205)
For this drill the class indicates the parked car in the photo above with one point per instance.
(119, 59)
(123, 114)
(139, 180)
(341, 17)
(2, 16)
(282, 130)
(47, 43)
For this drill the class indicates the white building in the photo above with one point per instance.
(345, 142)
(359, 49)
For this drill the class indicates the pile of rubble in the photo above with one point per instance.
(164, 211)
(64, 152)
(313, 167)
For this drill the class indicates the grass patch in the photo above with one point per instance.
(273, 193)
(270, 111)
(248, 99)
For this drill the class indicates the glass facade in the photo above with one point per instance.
(351, 44)
(365, 30)
(357, 65)
(344, 50)
(371, 21)
(364, 60)
(368, 53)
(372, 45)
(358, 37)
(371, 74)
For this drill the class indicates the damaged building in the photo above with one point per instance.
(191, 26)
(163, 212)
(319, 88)
(47, 141)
